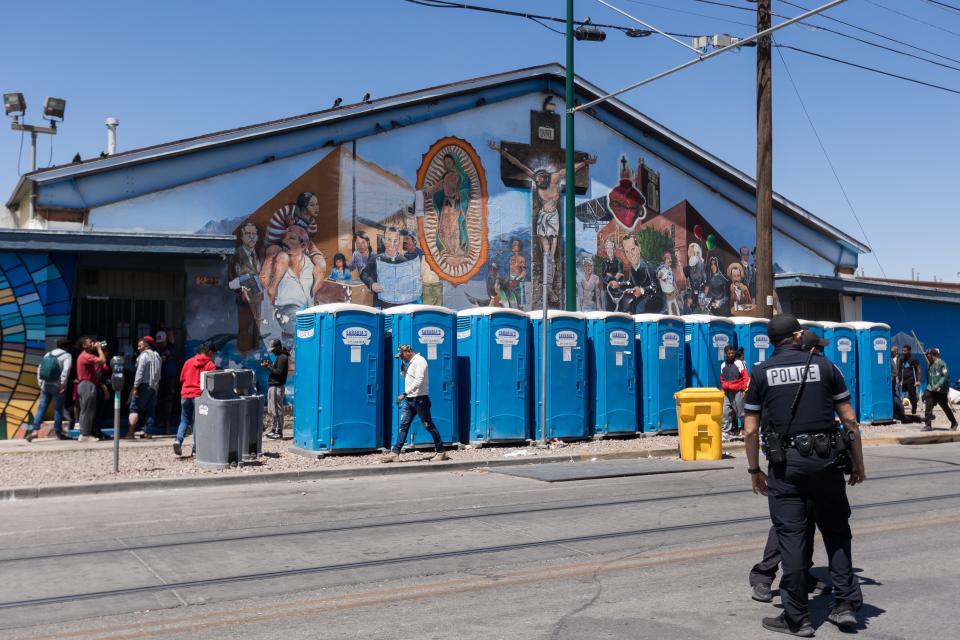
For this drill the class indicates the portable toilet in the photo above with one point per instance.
(613, 373)
(752, 338)
(814, 326)
(660, 363)
(842, 351)
(431, 331)
(493, 362)
(874, 377)
(337, 379)
(706, 338)
(566, 376)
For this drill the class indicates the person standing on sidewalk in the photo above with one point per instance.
(938, 385)
(190, 391)
(88, 378)
(909, 375)
(415, 402)
(52, 375)
(276, 386)
(734, 380)
(146, 383)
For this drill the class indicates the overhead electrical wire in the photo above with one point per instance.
(912, 18)
(946, 6)
(691, 13)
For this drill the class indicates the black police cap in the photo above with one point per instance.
(782, 326)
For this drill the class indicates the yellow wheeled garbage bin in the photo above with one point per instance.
(699, 412)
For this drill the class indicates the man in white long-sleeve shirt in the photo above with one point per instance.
(415, 401)
(146, 382)
(52, 375)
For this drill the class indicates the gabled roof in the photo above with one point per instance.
(553, 75)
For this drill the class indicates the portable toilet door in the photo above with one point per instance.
(338, 349)
(613, 374)
(752, 338)
(494, 375)
(814, 326)
(842, 351)
(875, 403)
(432, 332)
(661, 369)
(566, 380)
(706, 338)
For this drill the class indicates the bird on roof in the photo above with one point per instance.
(77, 158)
(366, 97)
(336, 103)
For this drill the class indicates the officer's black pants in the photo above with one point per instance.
(766, 570)
(792, 485)
(937, 398)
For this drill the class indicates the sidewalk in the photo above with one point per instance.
(52, 467)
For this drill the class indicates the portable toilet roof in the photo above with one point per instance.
(410, 308)
(860, 324)
(601, 315)
(554, 313)
(704, 318)
(338, 307)
(827, 324)
(653, 317)
(748, 320)
(810, 323)
(490, 311)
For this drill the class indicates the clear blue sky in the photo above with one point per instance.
(179, 68)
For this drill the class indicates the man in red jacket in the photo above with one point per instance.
(734, 380)
(190, 390)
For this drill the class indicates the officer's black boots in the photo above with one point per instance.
(780, 625)
(843, 616)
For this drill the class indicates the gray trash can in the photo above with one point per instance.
(229, 419)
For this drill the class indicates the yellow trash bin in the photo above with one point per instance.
(699, 413)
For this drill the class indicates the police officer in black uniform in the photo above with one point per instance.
(794, 396)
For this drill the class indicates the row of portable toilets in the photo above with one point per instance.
(607, 373)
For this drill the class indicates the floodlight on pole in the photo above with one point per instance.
(53, 108)
(14, 104)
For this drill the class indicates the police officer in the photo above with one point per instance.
(794, 396)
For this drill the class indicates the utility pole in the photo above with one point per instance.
(764, 250)
(569, 204)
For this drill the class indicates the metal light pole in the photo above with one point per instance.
(569, 229)
(544, 329)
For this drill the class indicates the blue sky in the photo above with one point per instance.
(175, 69)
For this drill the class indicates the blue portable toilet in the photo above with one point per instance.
(706, 338)
(842, 351)
(752, 338)
(337, 379)
(493, 357)
(660, 363)
(566, 376)
(613, 373)
(432, 332)
(814, 326)
(874, 377)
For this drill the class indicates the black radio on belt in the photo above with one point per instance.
(774, 446)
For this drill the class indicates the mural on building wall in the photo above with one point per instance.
(35, 297)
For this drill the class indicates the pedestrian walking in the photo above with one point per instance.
(909, 375)
(936, 393)
(89, 362)
(146, 384)
(190, 391)
(795, 396)
(53, 372)
(276, 387)
(734, 380)
(414, 401)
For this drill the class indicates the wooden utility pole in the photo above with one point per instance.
(764, 250)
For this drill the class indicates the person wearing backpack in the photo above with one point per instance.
(52, 374)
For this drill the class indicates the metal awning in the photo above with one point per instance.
(102, 241)
(865, 286)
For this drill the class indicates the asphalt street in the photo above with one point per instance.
(466, 555)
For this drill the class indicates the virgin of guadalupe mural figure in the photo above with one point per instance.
(452, 219)
(546, 188)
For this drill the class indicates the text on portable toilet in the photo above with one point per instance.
(354, 337)
(431, 337)
(669, 340)
(619, 338)
(761, 343)
(845, 346)
(566, 340)
(507, 338)
(720, 342)
(880, 346)
(305, 334)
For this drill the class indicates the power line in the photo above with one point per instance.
(944, 5)
(874, 33)
(914, 19)
(693, 13)
(866, 68)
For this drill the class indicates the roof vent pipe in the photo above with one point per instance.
(112, 124)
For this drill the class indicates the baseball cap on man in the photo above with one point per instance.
(782, 326)
(810, 340)
(402, 349)
(149, 341)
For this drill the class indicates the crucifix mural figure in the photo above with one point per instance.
(539, 166)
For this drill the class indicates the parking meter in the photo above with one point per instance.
(116, 381)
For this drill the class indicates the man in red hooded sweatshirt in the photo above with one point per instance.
(734, 380)
(190, 390)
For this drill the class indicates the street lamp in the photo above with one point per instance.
(15, 106)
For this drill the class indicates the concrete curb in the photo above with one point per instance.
(403, 468)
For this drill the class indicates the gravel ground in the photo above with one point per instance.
(86, 465)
